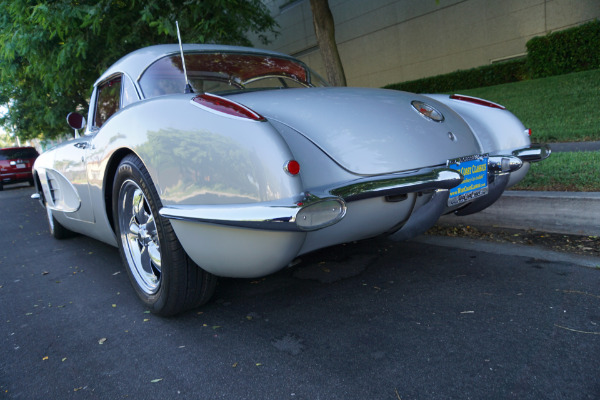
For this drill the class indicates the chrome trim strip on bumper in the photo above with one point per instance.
(258, 216)
(533, 153)
(504, 164)
(282, 215)
(394, 184)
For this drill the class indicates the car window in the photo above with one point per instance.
(108, 100)
(226, 72)
(129, 92)
(273, 82)
(11, 154)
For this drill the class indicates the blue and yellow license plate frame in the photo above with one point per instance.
(474, 169)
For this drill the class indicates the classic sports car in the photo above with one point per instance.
(239, 160)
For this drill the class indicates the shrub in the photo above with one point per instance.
(570, 50)
(488, 75)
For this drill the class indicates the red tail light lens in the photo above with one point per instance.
(225, 106)
(292, 167)
(476, 100)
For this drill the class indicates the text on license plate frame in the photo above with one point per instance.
(475, 183)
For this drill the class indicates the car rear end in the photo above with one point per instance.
(16, 165)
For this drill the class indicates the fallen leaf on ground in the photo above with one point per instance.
(156, 380)
(101, 341)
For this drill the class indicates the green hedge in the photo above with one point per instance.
(571, 50)
(488, 75)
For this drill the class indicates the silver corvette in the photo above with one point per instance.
(236, 161)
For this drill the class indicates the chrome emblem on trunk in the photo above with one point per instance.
(427, 111)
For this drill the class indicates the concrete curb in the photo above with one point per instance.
(575, 213)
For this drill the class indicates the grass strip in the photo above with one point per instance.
(558, 109)
(564, 172)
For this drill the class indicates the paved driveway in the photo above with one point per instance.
(373, 320)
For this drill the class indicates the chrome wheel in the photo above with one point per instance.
(139, 237)
(160, 271)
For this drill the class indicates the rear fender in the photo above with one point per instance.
(497, 130)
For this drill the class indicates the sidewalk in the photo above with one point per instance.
(575, 146)
(576, 213)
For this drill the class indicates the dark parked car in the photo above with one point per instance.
(16, 164)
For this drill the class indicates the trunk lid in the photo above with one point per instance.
(367, 131)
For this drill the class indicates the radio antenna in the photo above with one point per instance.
(188, 87)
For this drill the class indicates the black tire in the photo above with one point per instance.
(1, 186)
(162, 274)
(56, 229)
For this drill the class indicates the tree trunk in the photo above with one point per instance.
(325, 32)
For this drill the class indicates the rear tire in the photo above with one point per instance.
(162, 274)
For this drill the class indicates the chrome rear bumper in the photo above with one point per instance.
(318, 209)
(325, 206)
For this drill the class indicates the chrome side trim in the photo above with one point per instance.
(59, 192)
(394, 184)
(533, 153)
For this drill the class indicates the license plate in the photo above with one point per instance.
(474, 170)
(21, 165)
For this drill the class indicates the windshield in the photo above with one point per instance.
(18, 152)
(226, 72)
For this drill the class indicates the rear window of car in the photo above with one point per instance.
(14, 153)
(226, 72)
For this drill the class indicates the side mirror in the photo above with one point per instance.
(76, 120)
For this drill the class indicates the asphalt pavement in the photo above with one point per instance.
(426, 319)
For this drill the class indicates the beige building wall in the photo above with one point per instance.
(389, 41)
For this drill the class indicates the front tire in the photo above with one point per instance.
(56, 229)
(162, 274)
